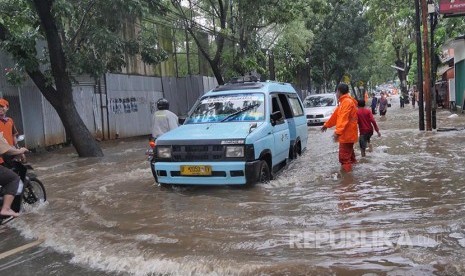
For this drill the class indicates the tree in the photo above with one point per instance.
(191, 18)
(290, 49)
(398, 18)
(83, 37)
(237, 29)
(341, 37)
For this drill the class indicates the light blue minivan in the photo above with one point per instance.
(236, 134)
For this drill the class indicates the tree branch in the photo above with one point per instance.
(35, 74)
(81, 24)
(214, 8)
(3, 32)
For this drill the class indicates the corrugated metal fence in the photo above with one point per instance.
(118, 106)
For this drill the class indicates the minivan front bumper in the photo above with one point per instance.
(223, 173)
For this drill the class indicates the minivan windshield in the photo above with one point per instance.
(320, 100)
(228, 108)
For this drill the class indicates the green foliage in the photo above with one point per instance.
(447, 29)
(150, 51)
(291, 49)
(95, 35)
(268, 25)
(394, 37)
(342, 37)
(241, 32)
(15, 76)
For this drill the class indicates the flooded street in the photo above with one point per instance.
(399, 212)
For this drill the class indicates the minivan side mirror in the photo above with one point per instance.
(276, 116)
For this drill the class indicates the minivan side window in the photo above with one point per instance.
(286, 107)
(295, 106)
(276, 106)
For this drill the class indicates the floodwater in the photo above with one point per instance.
(399, 213)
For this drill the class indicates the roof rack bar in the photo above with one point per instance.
(248, 77)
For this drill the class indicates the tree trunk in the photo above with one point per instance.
(61, 97)
(215, 61)
(402, 75)
(271, 66)
(82, 139)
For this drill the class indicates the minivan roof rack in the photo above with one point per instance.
(248, 77)
(248, 81)
(239, 86)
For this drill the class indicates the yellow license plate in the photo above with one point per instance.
(196, 170)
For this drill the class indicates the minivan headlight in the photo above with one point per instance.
(234, 151)
(329, 113)
(164, 152)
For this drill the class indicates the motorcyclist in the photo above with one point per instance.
(7, 125)
(9, 181)
(163, 119)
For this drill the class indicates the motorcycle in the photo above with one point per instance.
(33, 190)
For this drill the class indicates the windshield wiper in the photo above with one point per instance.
(232, 115)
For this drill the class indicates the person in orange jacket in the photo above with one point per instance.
(7, 126)
(345, 120)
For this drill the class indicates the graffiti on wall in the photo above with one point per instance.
(153, 107)
(126, 105)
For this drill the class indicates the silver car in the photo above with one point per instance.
(319, 107)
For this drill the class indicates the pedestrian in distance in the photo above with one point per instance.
(417, 97)
(163, 119)
(414, 96)
(366, 125)
(374, 104)
(383, 105)
(346, 132)
(401, 98)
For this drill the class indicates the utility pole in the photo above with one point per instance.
(427, 70)
(433, 22)
(421, 110)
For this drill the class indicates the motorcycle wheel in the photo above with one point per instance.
(34, 191)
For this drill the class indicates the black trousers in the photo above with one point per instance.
(9, 181)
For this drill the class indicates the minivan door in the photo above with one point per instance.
(280, 132)
(296, 118)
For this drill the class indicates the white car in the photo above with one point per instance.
(319, 107)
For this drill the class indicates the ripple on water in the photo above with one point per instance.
(108, 215)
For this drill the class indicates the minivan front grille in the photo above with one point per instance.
(193, 153)
(199, 153)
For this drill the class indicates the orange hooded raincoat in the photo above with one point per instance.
(345, 120)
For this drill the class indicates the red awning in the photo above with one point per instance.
(452, 7)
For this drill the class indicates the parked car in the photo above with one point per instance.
(236, 134)
(319, 107)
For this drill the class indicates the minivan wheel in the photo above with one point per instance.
(297, 150)
(294, 151)
(292, 154)
(265, 174)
